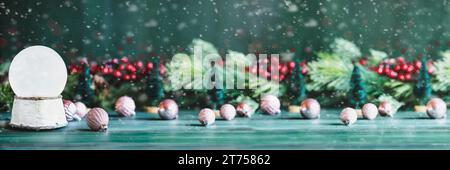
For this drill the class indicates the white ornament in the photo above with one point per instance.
(436, 108)
(206, 117)
(38, 76)
(227, 112)
(270, 105)
(369, 111)
(348, 116)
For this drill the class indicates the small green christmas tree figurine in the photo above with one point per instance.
(297, 84)
(216, 95)
(84, 90)
(155, 89)
(357, 94)
(422, 88)
(296, 88)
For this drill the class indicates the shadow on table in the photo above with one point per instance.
(336, 124)
(152, 119)
(296, 118)
(417, 118)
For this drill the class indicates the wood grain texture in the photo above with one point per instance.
(407, 130)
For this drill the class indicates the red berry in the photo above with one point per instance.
(304, 70)
(400, 60)
(274, 77)
(401, 77)
(122, 67)
(133, 77)
(254, 70)
(362, 61)
(266, 74)
(397, 68)
(161, 69)
(124, 60)
(115, 61)
(392, 74)
(379, 69)
(131, 68)
(282, 77)
(283, 70)
(417, 64)
(408, 76)
(302, 64)
(105, 70)
(291, 64)
(410, 68)
(139, 64)
(405, 67)
(126, 77)
(430, 70)
(117, 74)
(149, 66)
(386, 70)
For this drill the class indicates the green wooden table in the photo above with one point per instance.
(408, 130)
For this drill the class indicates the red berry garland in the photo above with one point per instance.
(120, 69)
(399, 69)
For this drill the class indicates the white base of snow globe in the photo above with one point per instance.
(38, 113)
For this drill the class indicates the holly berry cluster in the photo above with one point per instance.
(399, 69)
(120, 69)
(283, 69)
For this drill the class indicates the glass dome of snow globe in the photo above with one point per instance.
(38, 75)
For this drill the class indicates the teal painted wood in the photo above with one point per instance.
(407, 130)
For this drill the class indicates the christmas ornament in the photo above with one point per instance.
(310, 108)
(97, 119)
(385, 109)
(348, 116)
(206, 117)
(369, 111)
(168, 109)
(227, 111)
(81, 109)
(37, 76)
(70, 109)
(244, 110)
(436, 108)
(270, 105)
(125, 106)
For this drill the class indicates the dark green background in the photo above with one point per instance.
(113, 28)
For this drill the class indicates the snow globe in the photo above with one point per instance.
(38, 75)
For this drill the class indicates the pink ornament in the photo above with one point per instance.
(81, 109)
(348, 116)
(270, 105)
(168, 109)
(369, 111)
(70, 109)
(310, 109)
(97, 119)
(436, 108)
(244, 110)
(125, 106)
(385, 109)
(227, 111)
(207, 117)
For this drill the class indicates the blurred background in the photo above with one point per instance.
(113, 28)
(120, 39)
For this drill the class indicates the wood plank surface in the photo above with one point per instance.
(407, 130)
